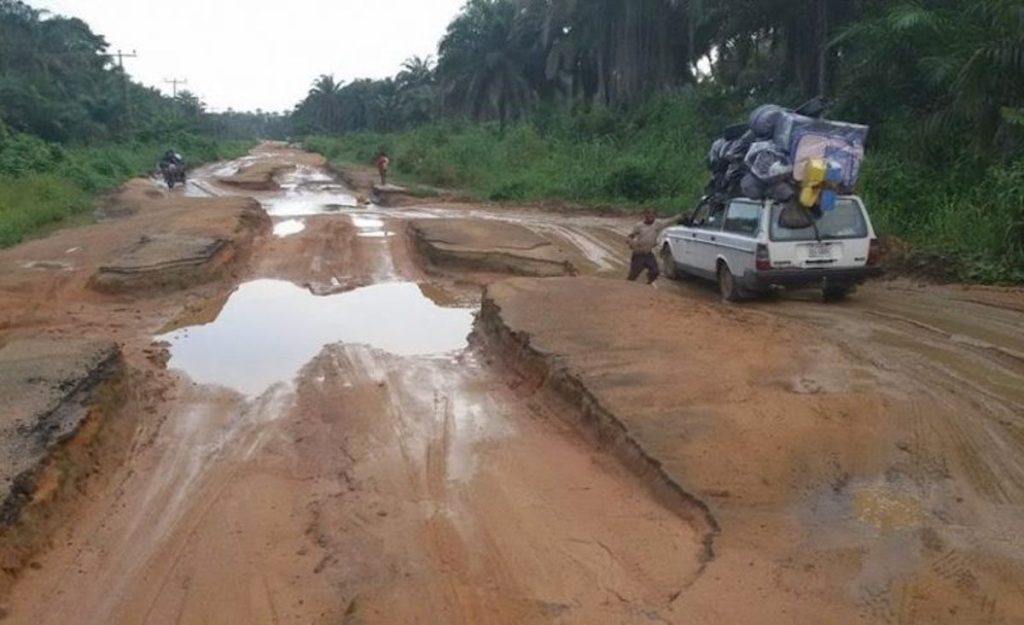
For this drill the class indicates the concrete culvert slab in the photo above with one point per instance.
(45, 386)
(489, 245)
(157, 260)
(388, 194)
(258, 176)
(131, 198)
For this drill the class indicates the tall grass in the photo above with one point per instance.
(971, 217)
(652, 157)
(971, 213)
(42, 183)
(31, 201)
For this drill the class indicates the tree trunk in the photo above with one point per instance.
(822, 41)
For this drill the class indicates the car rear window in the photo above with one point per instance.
(845, 221)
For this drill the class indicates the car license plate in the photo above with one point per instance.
(819, 250)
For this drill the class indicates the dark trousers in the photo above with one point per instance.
(642, 261)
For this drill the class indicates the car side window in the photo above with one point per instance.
(743, 218)
(700, 215)
(715, 218)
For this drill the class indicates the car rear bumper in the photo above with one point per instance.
(793, 278)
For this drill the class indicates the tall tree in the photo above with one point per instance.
(323, 98)
(960, 63)
(483, 62)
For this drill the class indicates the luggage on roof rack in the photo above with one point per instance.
(768, 156)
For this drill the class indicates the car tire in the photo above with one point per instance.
(727, 285)
(669, 268)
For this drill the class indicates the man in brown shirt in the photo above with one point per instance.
(642, 241)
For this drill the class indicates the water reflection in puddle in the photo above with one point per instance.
(308, 191)
(289, 227)
(367, 222)
(301, 204)
(369, 226)
(269, 329)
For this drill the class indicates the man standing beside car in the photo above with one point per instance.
(642, 240)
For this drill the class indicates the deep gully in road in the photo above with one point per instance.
(335, 453)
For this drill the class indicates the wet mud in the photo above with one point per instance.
(332, 451)
(46, 388)
(335, 431)
(488, 246)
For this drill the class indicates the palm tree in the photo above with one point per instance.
(323, 98)
(416, 72)
(961, 61)
(190, 104)
(483, 63)
(618, 51)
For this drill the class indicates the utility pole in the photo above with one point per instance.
(120, 55)
(174, 82)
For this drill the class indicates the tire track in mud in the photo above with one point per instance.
(972, 396)
(371, 489)
(463, 538)
(954, 375)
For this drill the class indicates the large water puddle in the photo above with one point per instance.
(309, 191)
(269, 329)
(308, 203)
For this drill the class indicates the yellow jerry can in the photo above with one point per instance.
(815, 173)
(809, 195)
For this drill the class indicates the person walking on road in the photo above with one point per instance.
(642, 240)
(383, 164)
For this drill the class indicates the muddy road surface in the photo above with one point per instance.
(329, 451)
(321, 431)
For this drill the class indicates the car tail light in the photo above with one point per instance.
(763, 260)
(874, 253)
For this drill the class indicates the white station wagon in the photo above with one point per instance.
(745, 247)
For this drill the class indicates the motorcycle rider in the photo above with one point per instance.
(171, 157)
(172, 166)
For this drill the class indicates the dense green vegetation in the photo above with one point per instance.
(72, 124)
(651, 156)
(614, 101)
(598, 102)
(41, 183)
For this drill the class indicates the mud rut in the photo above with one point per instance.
(359, 480)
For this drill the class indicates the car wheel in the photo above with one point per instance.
(731, 291)
(668, 264)
(836, 293)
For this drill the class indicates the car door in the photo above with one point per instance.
(683, 240)
(737, 243)
(705, 238)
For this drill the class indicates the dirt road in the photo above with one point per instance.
(313, 439)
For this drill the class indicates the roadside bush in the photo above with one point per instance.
(633, 180)
(31, 201)
(42, 183)
(653, 159)
(958, 208)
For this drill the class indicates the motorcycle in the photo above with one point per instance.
(172, 173)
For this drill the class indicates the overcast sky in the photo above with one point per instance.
(248, 54)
